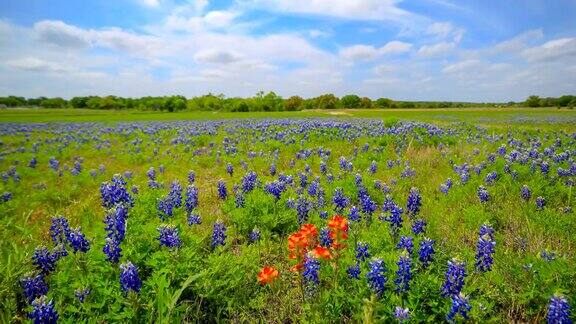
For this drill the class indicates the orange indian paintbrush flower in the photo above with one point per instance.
(267, 275)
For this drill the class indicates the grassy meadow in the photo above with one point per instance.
(396, 176)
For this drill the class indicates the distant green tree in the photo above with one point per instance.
(532, 101)
(293, 103)
(350, 101)
(79, 102)
(53, 103)
(327, 101)
(383, 103)
(366, 103)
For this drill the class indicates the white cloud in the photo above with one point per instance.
(61, 34)
(553, 50)
(368, 52)
(220, 18)
(315, 33)
(461, 66)
(383, 69)
(37, 65)
(438, 49)
(217, 56)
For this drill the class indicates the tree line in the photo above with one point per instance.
(260, 102)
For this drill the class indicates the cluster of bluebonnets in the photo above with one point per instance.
(296, 186)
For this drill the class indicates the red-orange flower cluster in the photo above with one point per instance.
(267, 275)
(338, 231)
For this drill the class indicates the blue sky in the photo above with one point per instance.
(406, 50)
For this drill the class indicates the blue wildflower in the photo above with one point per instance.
(44, 260)
(81, 294)
(169, 236)
(414, 202)
(218, 234)
(540, 202)
(194, 218)
(254, 235)
(310, 274)
(362, 252)
(354, 271)
(191, 201)
(303, 207)
(325, 238)
(354, 214)
(419, 227)
(222, 192)
(558, 310)
(401, 314)
(455, 275)
(34, 286)
(129, 279)
(460, 305)
(112, 250)
(406, 243)
(377, 276)
(525, 192)
(78, 241)
(43, 311)
(230, 169)
(340, 200)
(403, 274)
(483, 194)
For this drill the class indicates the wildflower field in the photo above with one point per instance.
(319, 218)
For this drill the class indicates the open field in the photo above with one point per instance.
(199, 203)
(486, 116)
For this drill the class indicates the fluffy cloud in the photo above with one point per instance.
(438, 49)
(368, 52)
(553, 50)
(61, 34)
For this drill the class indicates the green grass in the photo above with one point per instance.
(197, 284)
(483, 116)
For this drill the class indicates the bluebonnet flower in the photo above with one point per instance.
(313, 187)
(44, 260)
(151, 173)
(101, 168)
(249, 181)
(165, 207)
(6, 196)
(54, 164)
(483, 194)
(358, 180)
(324, 214)
(254, 234)
(169, 236)
(323, 167)
(239, 199)
(455, 275)
(93, 173)
(310, 274)
(502, 149)
(275, 188)
(112, 250)
(114, 193)
(414, 202)
(128, 174)
(230, 169)
(194, 218)
(134, 189)
(340, 200)
(377, 276)
(401, 314)
(362, 252)
(81, 294)
(43, 311)
(115, 222)
(129, 279)
(161, 168)
(486, 229)
(325, 238)
(218, 234)
(33, 286)
(484, 253)
(540, 202)
(373, 167)
(303, 180)
(78, 241)
(354, 271)
(222, 192)
(272, 169)
(59, 230)
(544, 167)
(368, 205)
(354, 214)
(406, 243)
(175, 194)
(404, 273)
(548, 256)
(525, 192)
(460, 305)
(491, 177)
(343, 163)
(303, 207)
(558, 310)
(191, 201)
(444, 188)
(419, 227)
(33, 162)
